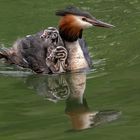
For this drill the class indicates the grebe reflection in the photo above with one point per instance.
(71, 88)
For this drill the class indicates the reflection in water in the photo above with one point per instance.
(71, 88)
(53, 88)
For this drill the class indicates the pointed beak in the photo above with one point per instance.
(98, 23)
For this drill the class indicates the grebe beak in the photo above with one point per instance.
(98, 23)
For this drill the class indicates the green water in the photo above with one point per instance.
(34, 107)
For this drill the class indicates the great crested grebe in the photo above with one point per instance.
(73, 21)
(68, 49)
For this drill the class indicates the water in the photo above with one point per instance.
(100, 104)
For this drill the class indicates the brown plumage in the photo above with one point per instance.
(69, 28)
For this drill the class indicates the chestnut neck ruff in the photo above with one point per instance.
(69, 30)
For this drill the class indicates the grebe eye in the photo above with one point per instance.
(84, 19)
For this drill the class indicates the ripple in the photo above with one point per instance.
(127, 11)
(114, 43)
(102, 37)
(133, 60)
(15, 73)
(134, 2)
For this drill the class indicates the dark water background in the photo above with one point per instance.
(34, 107)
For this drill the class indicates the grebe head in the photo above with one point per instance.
(73, 21)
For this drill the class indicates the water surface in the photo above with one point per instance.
(101, 104)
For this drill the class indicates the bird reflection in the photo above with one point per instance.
(71, 87)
